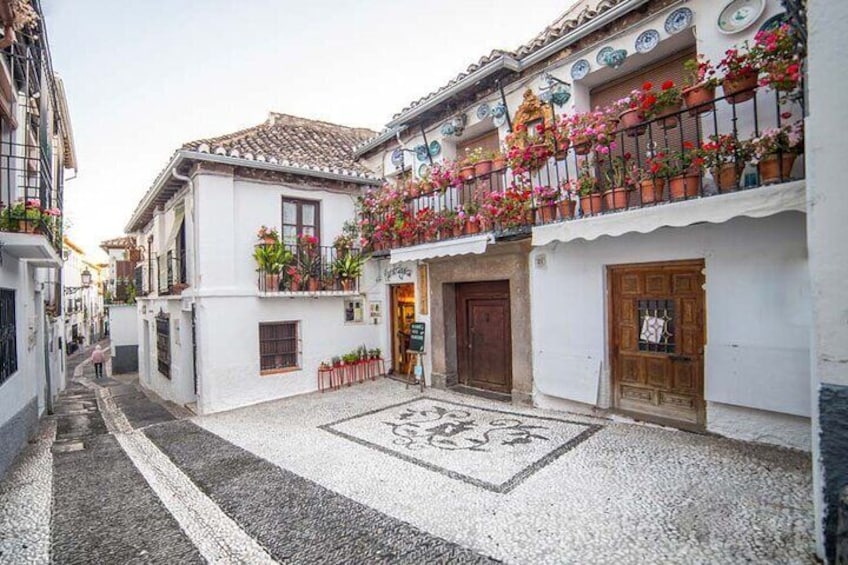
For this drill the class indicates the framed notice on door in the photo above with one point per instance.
(423, 291)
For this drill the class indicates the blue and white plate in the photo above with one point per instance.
(603, 54)
(678, 20)
(435, 148)
(397, 157)
(580, 69)
(775, 22)
(483, 111)
(421, 152)
(499, 114)
(647, 40)
(739, 15)
(423, 170)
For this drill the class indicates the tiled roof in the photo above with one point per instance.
(291, 140)
(123, 242)
(576, 16)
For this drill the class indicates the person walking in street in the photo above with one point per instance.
(98, 357)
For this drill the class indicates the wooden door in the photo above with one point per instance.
(657, 333)
(484, 335)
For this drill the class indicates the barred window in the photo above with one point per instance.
(8, 332)
(278, 346)
(163, 344)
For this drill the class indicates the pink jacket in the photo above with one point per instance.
(98, 356)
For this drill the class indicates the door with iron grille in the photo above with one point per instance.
(657, 334)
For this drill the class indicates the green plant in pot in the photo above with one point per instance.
(349, 268)
(271, 259)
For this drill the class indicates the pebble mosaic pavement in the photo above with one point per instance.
(379, 473)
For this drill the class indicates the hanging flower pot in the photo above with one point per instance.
(582, 145)
(743, 85)
(546, 213)
(774, 168)
(566, 209)
(696, 98)
(499, 163)
(670, 121)
(633, 120)
(684, 186)
(562, 150)
(467, 172)
(590, 204)
(483, 168)
(727, 176)
(652, 190)
(616, 199)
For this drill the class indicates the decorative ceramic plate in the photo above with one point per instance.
(647, 40)
(616, 58)
(499, 114)
(421, 152)
(739, 15)
(483, 111)
(397, 157)
(423, 170)
(775, 22)
(603, 54)
(435, 148)
(580, 69)
(678, 20)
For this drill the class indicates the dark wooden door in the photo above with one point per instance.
(484, 335)
(657, 333)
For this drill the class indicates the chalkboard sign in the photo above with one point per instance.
(416, 337)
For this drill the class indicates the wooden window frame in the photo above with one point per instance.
(8, 335)
(299, 202)
(267, 369)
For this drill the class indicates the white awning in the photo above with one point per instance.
(752, 203)
(460, 246)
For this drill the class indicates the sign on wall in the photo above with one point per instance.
(375, 311)
(423, 291)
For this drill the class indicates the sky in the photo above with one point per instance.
(144, 76)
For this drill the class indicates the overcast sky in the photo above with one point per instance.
(144, 76)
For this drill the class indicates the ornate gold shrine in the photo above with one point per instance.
(532, 110)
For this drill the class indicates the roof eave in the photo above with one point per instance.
(390, 133)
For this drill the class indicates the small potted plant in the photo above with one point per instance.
(566, 205)
(775, 54)
(546, 198)
(498, 160)
(665, 102)
(685, 172)
(635, 105)
(348, 268)
(481, 159)
(740, 75)
(589, 191)
(654, 175)
(470, 213)
(775, 149)
(268, 236)
(699, 85)
(271, 259)
(295, 278)
(725, 157)
(621, 176)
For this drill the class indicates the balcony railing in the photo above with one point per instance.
(319, 269)
(172, 273)
(677, 132)
(29, 202)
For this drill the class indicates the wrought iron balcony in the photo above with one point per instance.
(173, 278)
(315, 270)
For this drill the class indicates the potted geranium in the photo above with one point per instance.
(725, 157)
(480, 159)
(26, 215)
(635, 105)
(685, 172)
(528, 152)
(509, 209)
(621, 176)
(589, 191)
(567, 190)
(775, 54)
(740, 74)
(498, 160)
(700, 84)
(664, 103)
(654, 175)
(589, 128)
(775, 149)
(268, 236)
(546, 198)
(310, 261)
(468, 216)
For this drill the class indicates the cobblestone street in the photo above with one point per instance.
(380, 473)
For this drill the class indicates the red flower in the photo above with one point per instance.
(648, 85)
(668, 84)
(688, 145)
(786, 115)
(792, 69)
(627, 156)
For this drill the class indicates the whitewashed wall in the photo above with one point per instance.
(123, 324)
(757, 300)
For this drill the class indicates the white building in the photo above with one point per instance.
(83, 282)
(36, 147)
(211, 331)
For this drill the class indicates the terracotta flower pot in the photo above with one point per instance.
(498, 163)
(670, 122)
(28, 226)
(727, 176)
(467, 173)
(313, 284)
(581, 145)
(744, 83)
(633, 121)
(546, 213)
(773, 169)
(562, 150)
(471, 227)
(616, 199)
(456, 231)
(483, 168)
(590, 204)
(347, 284)
(684, 186)
(272, 283)
(566, 209)
(652, 190)
(294, 286)
(698, 95)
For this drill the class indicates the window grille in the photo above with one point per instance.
(278, 346)
(163, 344)
(8, 335)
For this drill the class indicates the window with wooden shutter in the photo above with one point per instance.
(662, 139)
(488, 141)
(278, 346)
(300, 217)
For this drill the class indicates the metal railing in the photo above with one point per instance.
(313, 269)
(676, 132)
(172, 272)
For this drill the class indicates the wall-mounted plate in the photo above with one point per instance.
(421, 152)
(435, 148)
(423, 170)
(678, 20)
(580, 69)
(739, 15)
(483, 111)
(647, 40)
(601, 58)
(775, 22)
(397, 157)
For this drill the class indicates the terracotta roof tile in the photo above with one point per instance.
(286, 139)
(118, 243)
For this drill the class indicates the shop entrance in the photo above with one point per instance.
(402, 314)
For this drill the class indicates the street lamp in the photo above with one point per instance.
(85, 277)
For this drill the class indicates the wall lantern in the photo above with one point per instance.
(85, 277)
(556, 92)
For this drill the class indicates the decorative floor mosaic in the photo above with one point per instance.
(493, 449)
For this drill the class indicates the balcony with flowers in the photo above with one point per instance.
(665, 155)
